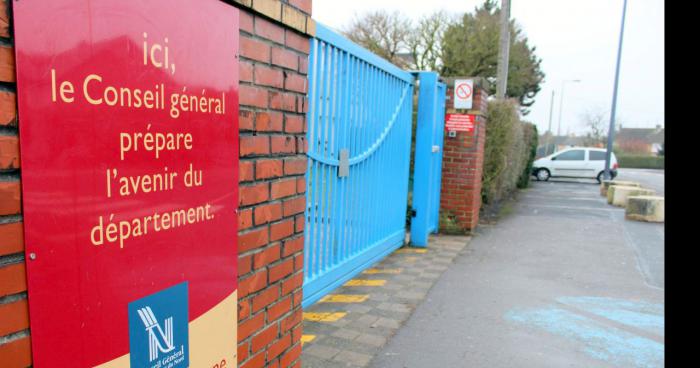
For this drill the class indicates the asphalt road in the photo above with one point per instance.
(653, 179)
(563, 281)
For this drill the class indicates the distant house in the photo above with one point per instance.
(640, 140)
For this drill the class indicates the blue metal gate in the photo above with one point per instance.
(427, 171)
(359, 146)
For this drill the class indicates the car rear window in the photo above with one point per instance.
(596, 155)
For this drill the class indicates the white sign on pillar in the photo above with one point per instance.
(464, 91)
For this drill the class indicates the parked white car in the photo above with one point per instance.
(574, 162)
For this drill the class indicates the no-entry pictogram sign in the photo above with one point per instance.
(463, 93)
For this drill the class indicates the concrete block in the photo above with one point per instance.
(620, 194)
(605, 184)
(645, 208)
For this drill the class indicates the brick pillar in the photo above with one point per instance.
(15, 344)
(274, 48)
(462, 165)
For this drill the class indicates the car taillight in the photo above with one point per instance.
(615, 166)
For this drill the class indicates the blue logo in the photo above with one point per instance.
(158, 329)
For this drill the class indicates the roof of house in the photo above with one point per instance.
(648, 135)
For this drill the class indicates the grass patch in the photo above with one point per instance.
(449, 224)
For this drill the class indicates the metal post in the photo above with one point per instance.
(561, 106)
(611, 130)
(549, 130)
(504, 51)
(561, 101)
(423, 182)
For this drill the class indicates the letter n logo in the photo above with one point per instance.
(158, 329)
(158, 339)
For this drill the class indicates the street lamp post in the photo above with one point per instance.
(611, 130)
(561, 100)
(549, 130)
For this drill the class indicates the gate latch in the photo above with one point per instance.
(344, 163)
(413, 212)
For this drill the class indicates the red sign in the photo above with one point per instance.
(129, 131)
(459, 122)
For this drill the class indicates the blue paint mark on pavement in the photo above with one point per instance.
(647, 316)
(600, 341)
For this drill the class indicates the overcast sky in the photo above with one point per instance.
(576, 39)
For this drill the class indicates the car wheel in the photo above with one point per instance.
(542, 175)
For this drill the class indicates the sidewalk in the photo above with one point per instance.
(562, 281)
(348, 327)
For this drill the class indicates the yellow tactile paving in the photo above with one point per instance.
(307, 338)
(412, 251)
(386, 271)
(344, 298)
(323, 317)
(365, 283)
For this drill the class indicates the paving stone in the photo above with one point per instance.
(358, 308)
(342, 343)
(343, 322)
(353, 358)
(353, 340)
(310, 361)
(345, 333)
(370, 339)
(422, 285)
(321, 351)
(367, 319)
(411, 295)
(399, 316)
(319, 328)
(430, 275)
(404, 278)
(375, 330)
(394, 286)
(387, 322)
(379, 297)
(373, 303)
(443, 262)
(394, 307)
(437, 268)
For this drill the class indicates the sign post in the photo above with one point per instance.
(129, 131)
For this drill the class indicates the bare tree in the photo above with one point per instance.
(425, 41)
(385, 34)
(596, 123)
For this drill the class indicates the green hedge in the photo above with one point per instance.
(508, 151)
(531, 137)
(640, 162)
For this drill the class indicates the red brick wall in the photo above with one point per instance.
(462, 164)
(273, 66)
(15, 345)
